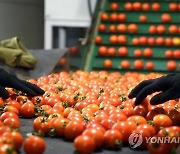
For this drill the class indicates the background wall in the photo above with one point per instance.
(25, 19)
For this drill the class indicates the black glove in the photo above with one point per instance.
(168, 85)
(9, 80)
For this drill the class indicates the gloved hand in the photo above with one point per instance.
(9, 80)
(168, 85)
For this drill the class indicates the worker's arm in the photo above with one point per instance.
(168, 86)
(9, 80)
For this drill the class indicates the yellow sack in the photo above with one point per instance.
(13, 53)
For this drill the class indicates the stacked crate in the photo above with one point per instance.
(141, 36)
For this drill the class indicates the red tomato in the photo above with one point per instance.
(138, 53)
(12, 122)
(145, 134)
(171, 65)
(7, 114)
(168, 41)
(124, 128)
(150, 65)
(145, 7)
(54, 111)
(111, 51)
(102, 51)
(59, 106)
(96, 126)
(122, 17)
(52, 101)
(173, 6)
(62, 61)
(113, 139)
(84, 144)
(175, 129)
(112, 29)
(34, 144)
(96, 134)
(160, 40)
(16, 137)
(125, 64)
(161, 29)
(11, 108)
(98, 40)
(142, 18)
(173, 29)
(27, 110)
(113, 39)
(147, 52)
(114, 6)
(152, 29)
(174, 115)
(107, 63)
(121, 39)
(38, 100)
(73, 50)
(123, 51)
(5, 147)
(59, 124)
(100, 116)
(138, 64)
(159, 149)
(132, 28)
(169, 54)
(135, 41)
(166, 17)
(104, 17)
(140, 110)
(67, 111)
(161, 120)
(151, 41)
(121, 28)
(128, 111)
(41, 124)
(128, 6)
(143, 40)
(102, 28)
(137, 119)
(114, 17)
(73, 129)
(176, 53)
(156, 7)
(15, 104)
(107, 123)
(118, 116)
(148, 128)
(137, 6)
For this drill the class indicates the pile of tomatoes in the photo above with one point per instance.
(90, 109)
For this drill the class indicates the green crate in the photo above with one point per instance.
(129, 37)
(153, 17)
(121, 3)
(158, 52)
(143, 28)
(159, 67)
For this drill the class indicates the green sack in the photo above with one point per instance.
(13, 53)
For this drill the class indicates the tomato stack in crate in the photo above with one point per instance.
(141, 36)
